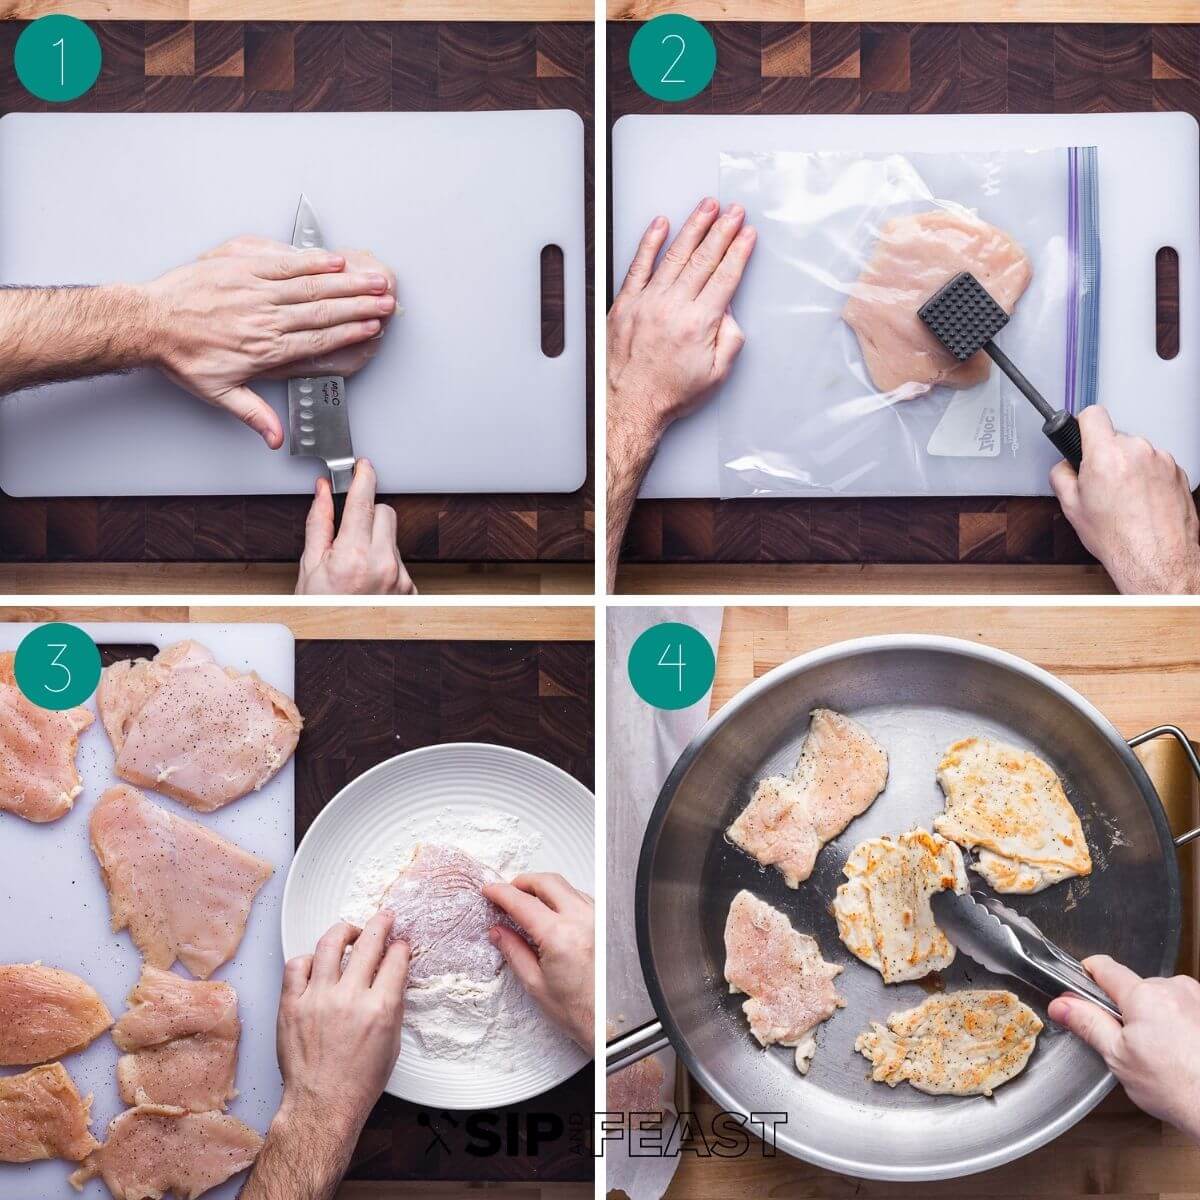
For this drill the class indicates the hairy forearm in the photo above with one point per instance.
(632, 438)
(55, 333)
(306, 1153)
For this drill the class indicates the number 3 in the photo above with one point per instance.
(682, 48)
(61, 648)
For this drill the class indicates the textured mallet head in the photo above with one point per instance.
(963, 316)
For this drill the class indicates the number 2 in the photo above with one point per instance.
(61, 648)
(679, 664)
(682, 48)
(62, 79)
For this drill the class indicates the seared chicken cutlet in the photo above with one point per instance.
(38, 778)
(957, 1043)
(46, 1013)
(1010, 805)
(914, 256)
(155, 1149)
(182, 724)
(43, 1116)
(182, 892)
(840, 772)
(789, 984)
(181, 1042)
(882, 910)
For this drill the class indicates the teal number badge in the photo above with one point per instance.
(672, 57)
(57, 58)
(57, 666)
(671, 665)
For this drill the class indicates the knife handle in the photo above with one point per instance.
(339, 510)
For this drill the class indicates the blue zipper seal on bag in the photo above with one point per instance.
(1083, 297)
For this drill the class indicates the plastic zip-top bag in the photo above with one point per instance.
(840, 389)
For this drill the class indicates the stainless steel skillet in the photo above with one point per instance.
(916, 694)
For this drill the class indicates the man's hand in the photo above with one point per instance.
(338, 1039)
(254, 307)
(1154, 1053)
(1132, 508)
(558, 970)
(362, 559)
(671, 339)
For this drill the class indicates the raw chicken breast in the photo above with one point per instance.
(155, 1149)
(182, 1037)
(882, 910)
(192, 729)
(1009, 803)
(841, 771)
(43, 1116)
(38, 779)
(913, 257)
(438, 908)
(957, 1043)
(182, 892)
(789, 984)
(45, 1014)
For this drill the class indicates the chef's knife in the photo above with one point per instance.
(1007, 943)
(964, 316)
(318, 418)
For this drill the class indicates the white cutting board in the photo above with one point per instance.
(49, 877)
(1149, 198)
(460, 397)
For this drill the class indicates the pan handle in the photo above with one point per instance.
(635, 1045)
(1182, 738)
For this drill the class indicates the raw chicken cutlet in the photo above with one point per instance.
(840, 772)
(45, 1014)
(912, 258)
(182, 724)
(181, 1039)
(182, 892)
(155, 1149)
(789, 984)
(38, 777)
(43, 1116)
(882, 910)
(438, 907)
(954, 1044)
(1011, 806)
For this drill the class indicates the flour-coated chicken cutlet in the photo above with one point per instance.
(181, 1042)
(154, 1149)
(841, 770)
(182, 724)
(182, 891)
(912, 258)
(882, 910)
(42, 1116)
(955, 1044)
(1010, 806)
(46, 1013)
(438, 907)
(789, 985)
(38, 777)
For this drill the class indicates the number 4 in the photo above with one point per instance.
(679, 664)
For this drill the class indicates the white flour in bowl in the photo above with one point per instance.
(453, 1016)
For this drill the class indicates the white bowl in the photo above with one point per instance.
(372, 811)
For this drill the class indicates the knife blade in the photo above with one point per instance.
(1007, 943)
(318, 416)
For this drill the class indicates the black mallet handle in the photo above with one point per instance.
(1059, 426)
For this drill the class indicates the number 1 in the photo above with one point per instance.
(682, 48)
(62, 80)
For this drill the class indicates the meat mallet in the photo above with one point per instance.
(964, 317)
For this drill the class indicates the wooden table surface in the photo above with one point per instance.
(1141, 667)
(992, 544)
(453, 543)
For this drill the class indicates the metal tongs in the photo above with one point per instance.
(1007, 943)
